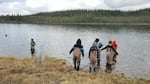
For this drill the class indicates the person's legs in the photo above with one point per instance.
(108, 68)
(74, 61)
(90, 66)
(78, 63)
(108, 65)
(98, 61)
(114, 59)
(94, 69)
(98, 57)
(93, 64)
(32, 51)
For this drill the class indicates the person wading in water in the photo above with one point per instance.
(115, 45)
(110, 51)
(98, 46)
(77, 50)
(93, 52)
(94, 55)
(32, 47)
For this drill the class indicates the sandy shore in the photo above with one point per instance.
(55, 71)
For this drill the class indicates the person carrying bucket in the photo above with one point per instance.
(77, 50)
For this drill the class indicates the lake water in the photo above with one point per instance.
(57, 40)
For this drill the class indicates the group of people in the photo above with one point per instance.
(94, 54)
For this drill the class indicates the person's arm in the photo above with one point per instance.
(82, 51)
(89, 52)
(71, 50)
(104, 47)
(114, 50)
(100, 45)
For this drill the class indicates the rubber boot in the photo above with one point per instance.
(90, 69)
(94, 69)
(78, 68)
(75, 64)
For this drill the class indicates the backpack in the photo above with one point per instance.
(114, 44)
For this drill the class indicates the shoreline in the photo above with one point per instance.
(84, 24)
(106, 24)
(55, 71)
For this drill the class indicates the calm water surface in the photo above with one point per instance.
(52, 40)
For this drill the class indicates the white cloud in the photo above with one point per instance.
(35, 3)
(5, 1)
(9, 8)
(34, 6)
(137, 7)
(124, 3)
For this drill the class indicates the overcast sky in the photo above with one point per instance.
(34, 6)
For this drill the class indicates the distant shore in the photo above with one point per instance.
(126, 24)
(55, 71)
(83, 17)
(86, 24)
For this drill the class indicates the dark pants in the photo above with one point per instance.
(108, 68)
(32, 51)
(98, 61)
(114, 58)
(76, 63)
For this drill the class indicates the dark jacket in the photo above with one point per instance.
(78, 45)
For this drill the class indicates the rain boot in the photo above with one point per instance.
(90, 69)
(94, 69)
(74, 60)
(75, 65)
(78, 68)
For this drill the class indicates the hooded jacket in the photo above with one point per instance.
(78, 45)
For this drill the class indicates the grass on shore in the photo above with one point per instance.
(55, 71)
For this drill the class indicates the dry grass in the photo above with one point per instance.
(55, 71)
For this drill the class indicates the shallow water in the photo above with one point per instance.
(57, 40)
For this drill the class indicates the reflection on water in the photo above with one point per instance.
(56, 41)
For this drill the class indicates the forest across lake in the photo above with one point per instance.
(83, 17)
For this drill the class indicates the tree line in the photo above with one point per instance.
(81, 16)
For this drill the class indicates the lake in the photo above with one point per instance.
(57, 40)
